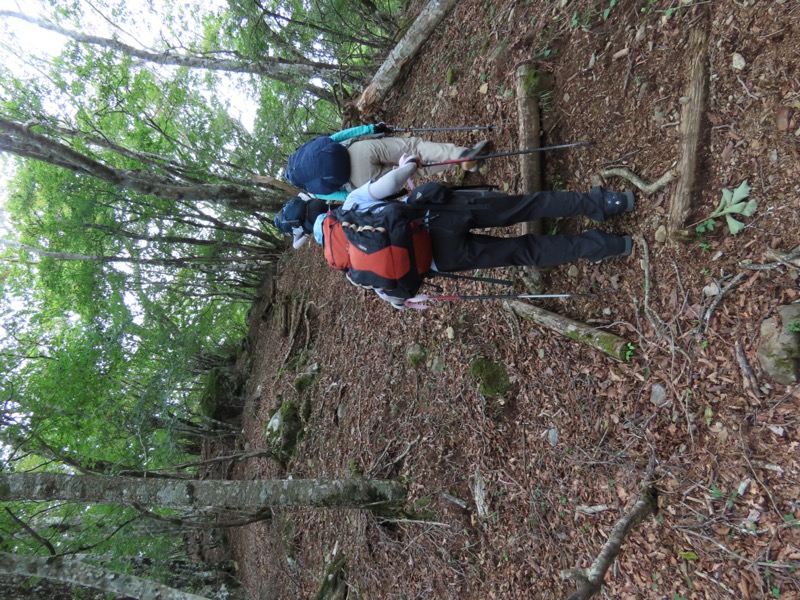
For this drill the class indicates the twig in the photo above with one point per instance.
(718, 299)
(756, 477)
(785, 259)
(747, 91)
(755, 563)
(647, 188)
(749, 380)
(590, 580)
(731, 593)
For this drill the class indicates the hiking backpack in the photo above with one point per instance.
(320, 166)
(291, 215)
(383, 248)
(300, 211)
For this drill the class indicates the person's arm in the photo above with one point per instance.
(337, 196)
(393, 180)
(352, 132)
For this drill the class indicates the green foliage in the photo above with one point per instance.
(607, 11)
(629, 351)
(732, 202)
(794, 326)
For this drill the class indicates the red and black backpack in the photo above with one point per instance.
(385, 248)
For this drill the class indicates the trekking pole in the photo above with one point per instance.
(418, 302)
(501, 154)
(398, 129)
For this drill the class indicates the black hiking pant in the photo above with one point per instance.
(456, 248)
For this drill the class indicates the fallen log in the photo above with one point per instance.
(691, 123)
(528, 87)
(604, 341)
(402, 54)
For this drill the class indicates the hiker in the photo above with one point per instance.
(296, 218)
(331, 166)
(437, 226)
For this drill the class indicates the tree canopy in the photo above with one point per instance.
(136, 226)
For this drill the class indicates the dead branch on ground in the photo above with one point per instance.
(647, 188)
(590, 580)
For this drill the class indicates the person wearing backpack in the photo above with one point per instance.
(331, 166)
(296, 218)
(395, 267)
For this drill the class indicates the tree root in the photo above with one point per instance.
(787, 260)
(707, 317)
(648, 188)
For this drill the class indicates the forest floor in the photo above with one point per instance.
(577, 429)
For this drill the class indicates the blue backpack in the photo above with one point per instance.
(320, 166)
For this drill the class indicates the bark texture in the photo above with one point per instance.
(691, 124)
(76, 572)
(376, 495)
(528, 86)
(402, 54)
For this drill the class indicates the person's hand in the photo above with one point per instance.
(382, 128)
(408, 158)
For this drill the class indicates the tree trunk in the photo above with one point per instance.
(378, 495)
(402, 54)
(22, 141)
(76, 572)
(276, 68)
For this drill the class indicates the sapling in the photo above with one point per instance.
(733, 202)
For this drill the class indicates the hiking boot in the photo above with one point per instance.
(615, 203)
(625, 241)
(628, 241)
(479, 149)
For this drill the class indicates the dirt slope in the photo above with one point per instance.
(725, 460)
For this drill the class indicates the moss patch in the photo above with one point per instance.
(493, 377)
(284, 430)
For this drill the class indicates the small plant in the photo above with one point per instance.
(733, 202)
(649, 7)
(630, 351)
(794, 326)
(607, 11)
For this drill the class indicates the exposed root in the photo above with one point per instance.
(647, 188)
(707, 317)
(749, 380)
(788, 260)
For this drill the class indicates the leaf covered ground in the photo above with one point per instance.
(576, 429)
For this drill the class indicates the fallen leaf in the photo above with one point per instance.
(782, 117)
(727, 153)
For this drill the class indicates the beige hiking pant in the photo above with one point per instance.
(369, 159)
